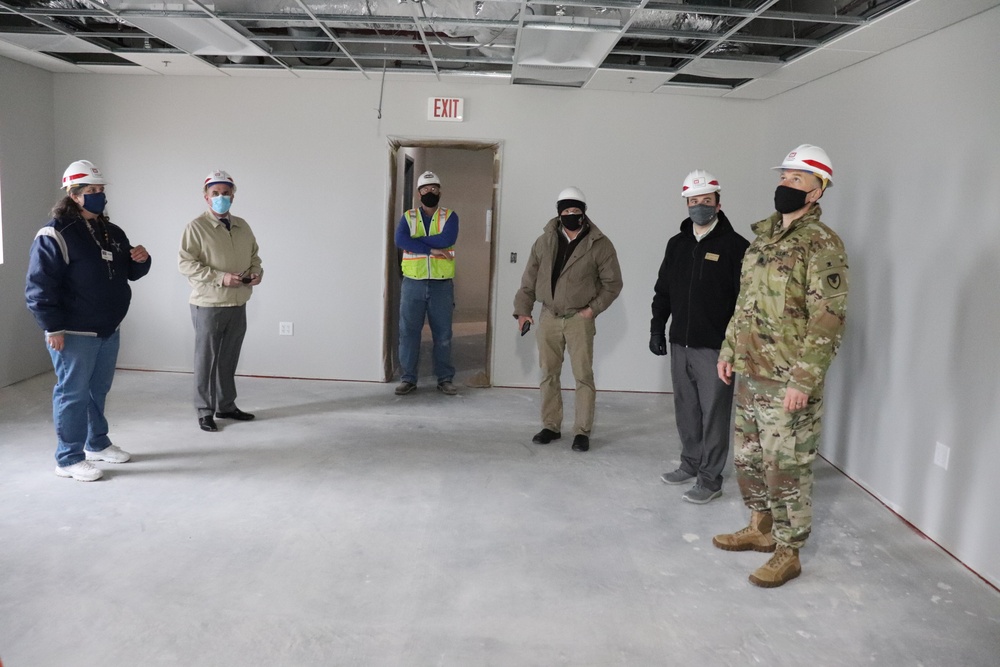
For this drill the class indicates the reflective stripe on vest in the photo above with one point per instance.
(422, 267)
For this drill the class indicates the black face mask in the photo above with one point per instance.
(789, 200)
(571, 221)
(430, 199)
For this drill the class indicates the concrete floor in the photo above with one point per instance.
(348, 526)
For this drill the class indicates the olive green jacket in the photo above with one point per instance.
(591, 276)
(792, 307)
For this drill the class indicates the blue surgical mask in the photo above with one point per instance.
(221, 204)
(95, 202)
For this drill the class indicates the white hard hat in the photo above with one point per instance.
(219, 176)
(812, 159)
(82, 172)
(571, 198)
(428, 178)
(699, 182)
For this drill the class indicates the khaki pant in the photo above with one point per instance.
(555, 335)
(774, 454)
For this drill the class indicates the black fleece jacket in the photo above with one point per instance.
(698, 284)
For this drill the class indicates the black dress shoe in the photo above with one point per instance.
(545, 436)
(207, 424)
(236, 414)
(581, 443)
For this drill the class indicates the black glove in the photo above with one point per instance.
(658, 344)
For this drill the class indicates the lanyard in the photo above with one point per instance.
(105, 251)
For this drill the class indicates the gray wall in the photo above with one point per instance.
(912, 134)
(29, 186)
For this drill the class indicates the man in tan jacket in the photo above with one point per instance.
(573, 270)
(218, 255)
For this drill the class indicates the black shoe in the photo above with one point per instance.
(405, 388)
(207, 424)
(545, 436)
(581, 443)
(236, 414)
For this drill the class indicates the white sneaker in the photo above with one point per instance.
(111, 454)
(85, 471)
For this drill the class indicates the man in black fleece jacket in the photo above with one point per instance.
(696, 289)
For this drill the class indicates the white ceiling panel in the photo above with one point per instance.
(39, 60)
(932, 15)
(53, 43)
(627, 81)
(173, 64)
(761, 89)
(697, 91)
(818, 64)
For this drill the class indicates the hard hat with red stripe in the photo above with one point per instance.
(699, 182)
(812, 159)
(219, 176)
(82, 172)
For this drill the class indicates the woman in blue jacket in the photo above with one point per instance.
(77, 289)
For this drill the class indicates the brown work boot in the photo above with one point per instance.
(783, 567)
(756, 536)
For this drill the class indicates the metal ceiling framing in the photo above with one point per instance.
(720, 44)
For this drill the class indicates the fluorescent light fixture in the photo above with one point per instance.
(197, 36)
(564, 46)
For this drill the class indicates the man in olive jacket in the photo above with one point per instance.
(573, 270)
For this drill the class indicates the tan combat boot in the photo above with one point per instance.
(756, 536)
(783, 567)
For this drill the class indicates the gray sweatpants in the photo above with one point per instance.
(218, 337)
(703, 406)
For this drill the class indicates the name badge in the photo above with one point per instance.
(107, 256)
(711, 256)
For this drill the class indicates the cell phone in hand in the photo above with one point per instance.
(525, 327)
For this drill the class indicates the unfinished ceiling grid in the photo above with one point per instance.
(721, 46)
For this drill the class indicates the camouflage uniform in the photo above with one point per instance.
(787, 327)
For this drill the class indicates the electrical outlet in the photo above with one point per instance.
(941, 455)
(513, 258)
(285, 329)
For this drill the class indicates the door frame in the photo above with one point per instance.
(390, 277)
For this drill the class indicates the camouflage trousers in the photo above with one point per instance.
(774, 452)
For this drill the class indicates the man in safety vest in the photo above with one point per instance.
(427, 236)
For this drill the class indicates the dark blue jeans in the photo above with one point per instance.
(84, 369)
(435, 300)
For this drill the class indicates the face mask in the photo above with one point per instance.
(701, 214)
(95, 202)
(571, 221)
(789, 200)
(430, 199)
(221, 204)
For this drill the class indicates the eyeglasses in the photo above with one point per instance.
(430, 188)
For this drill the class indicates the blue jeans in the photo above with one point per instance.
(434, 299)
(84, 369)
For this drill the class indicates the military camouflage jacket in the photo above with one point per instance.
(790, 314)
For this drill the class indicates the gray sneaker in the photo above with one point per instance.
(676, 477)
(699, 495)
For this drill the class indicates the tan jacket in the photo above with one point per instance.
(591, 277)
(209, 251)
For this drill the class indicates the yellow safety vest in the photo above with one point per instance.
(422, 267)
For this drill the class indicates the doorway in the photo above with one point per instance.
(469, 173)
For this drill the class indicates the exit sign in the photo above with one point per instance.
(445, 108)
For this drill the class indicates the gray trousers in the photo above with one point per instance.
(218, 337)
(703, 406)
